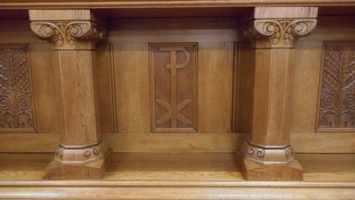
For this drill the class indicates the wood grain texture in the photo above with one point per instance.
(47, 96)
(132, 87)
(215, 87)
(285, 12)
(106, 88)
(245, 79)
(336, 98)
(17, 102)
(173, 83)
(305, 93)
(173, 30)
(178, 176)
(308, 142)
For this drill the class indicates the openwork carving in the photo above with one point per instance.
(280, 32)
(337, 95)
(65, 35)
(173, 81)
(16, 112)
(267, 155)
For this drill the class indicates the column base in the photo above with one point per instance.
(80, 162)
(268, 164)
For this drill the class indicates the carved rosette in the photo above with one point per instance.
(70, 35)
(277, 33)
(267, 155)
(81, 154)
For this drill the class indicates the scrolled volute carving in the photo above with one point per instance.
(81, 154)
(267, 155)
(281, 33)
(70, 35)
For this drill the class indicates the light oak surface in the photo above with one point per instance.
(203, 167)
(178, 176)
(264, 100)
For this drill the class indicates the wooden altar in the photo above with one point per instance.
(177, 99)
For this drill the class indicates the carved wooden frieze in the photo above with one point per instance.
(173, 87)
(16, 110)
(337, 90)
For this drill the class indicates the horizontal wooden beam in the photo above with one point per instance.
(91, 4)
(179, 143)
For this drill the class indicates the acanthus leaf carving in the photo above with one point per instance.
(15, 91)
(337, 95)
(66, 35)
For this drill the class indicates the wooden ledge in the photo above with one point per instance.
(178, 176)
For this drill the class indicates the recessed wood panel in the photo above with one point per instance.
(336, 111)
(215, 81)
(131, 70)
(16, 102)
(173, 87)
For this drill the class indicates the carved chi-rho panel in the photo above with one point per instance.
(337, 92)
(173, 87)
(16, 107)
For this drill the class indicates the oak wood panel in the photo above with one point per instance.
(47, 97)
(131, 142)
(245, 79)
(305, 93)
(174, 142)
(216, 63)
(173, 87)
(318, 167)
(131, 68)
(29, 142)
(17, 31)
(310, 142)
(331, 28)
(176, 167)
(158, 30)
(130, 39)
(106, 88)
(17, 107)
(204, 142)
(197, 167)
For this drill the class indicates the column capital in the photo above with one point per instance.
(69, 29)
(279, 27)
(69, 34)
(277, 33)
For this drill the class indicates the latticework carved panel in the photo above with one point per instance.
(173, 87)
(16, 110)
(337, 92)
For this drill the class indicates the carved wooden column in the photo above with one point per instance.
(273, 31)
(82, 153)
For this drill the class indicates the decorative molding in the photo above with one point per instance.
(16, 106)
(81, 154)
(277, 33)
(267, 155)
(173, 81)
(70, 34)
(336, 110)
